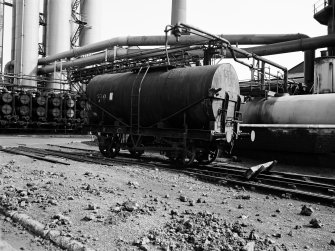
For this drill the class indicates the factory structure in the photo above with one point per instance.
(29, 99)
(57, 51)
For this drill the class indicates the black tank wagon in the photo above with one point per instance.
(186, 113)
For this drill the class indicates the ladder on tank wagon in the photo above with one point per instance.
(135, 102)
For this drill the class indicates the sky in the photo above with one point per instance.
(149, 17)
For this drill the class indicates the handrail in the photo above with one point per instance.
(320, 5)
(225, 44)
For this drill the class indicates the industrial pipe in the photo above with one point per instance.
(160, 40)
(307, 44)
(102, 57)
(86, 61)
(304, 44)
(294, 45)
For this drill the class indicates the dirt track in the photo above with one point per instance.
(130, 207)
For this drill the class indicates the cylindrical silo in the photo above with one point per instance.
(26, 40)
(12, 55)
(58, 32)
(178, 12)
(91, 11)
(2, 21)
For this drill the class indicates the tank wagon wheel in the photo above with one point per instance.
(188, 157)
(137, 154)
(110, 147)
(184, 158)
(211, 156)
(130, 142)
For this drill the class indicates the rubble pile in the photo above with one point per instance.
(122, 211)
(204, 231)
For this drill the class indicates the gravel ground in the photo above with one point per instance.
(139, 208)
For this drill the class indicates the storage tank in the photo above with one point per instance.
(163, 93)
(58, 32)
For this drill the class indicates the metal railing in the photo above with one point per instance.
(221, 44)
(14, 82)
(320, 5)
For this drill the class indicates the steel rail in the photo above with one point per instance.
(82, 158)
(301, 194)
(325, 180)
(31, 155)
(271, 180)
(73, 148)
(316, 191)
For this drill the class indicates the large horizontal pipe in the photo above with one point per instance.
(98, 58)
(277, 48)
(308, 45)
(242, 39)
(294, 45)
(249, 39)
(111, 55)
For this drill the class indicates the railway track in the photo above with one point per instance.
(306, 187)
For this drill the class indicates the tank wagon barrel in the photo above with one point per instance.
(298, 124)
(291, 110)
(185, 113)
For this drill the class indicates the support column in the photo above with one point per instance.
(309, 57)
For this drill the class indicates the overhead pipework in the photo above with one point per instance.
(178, 15)
(242, 39)
(26, 41)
